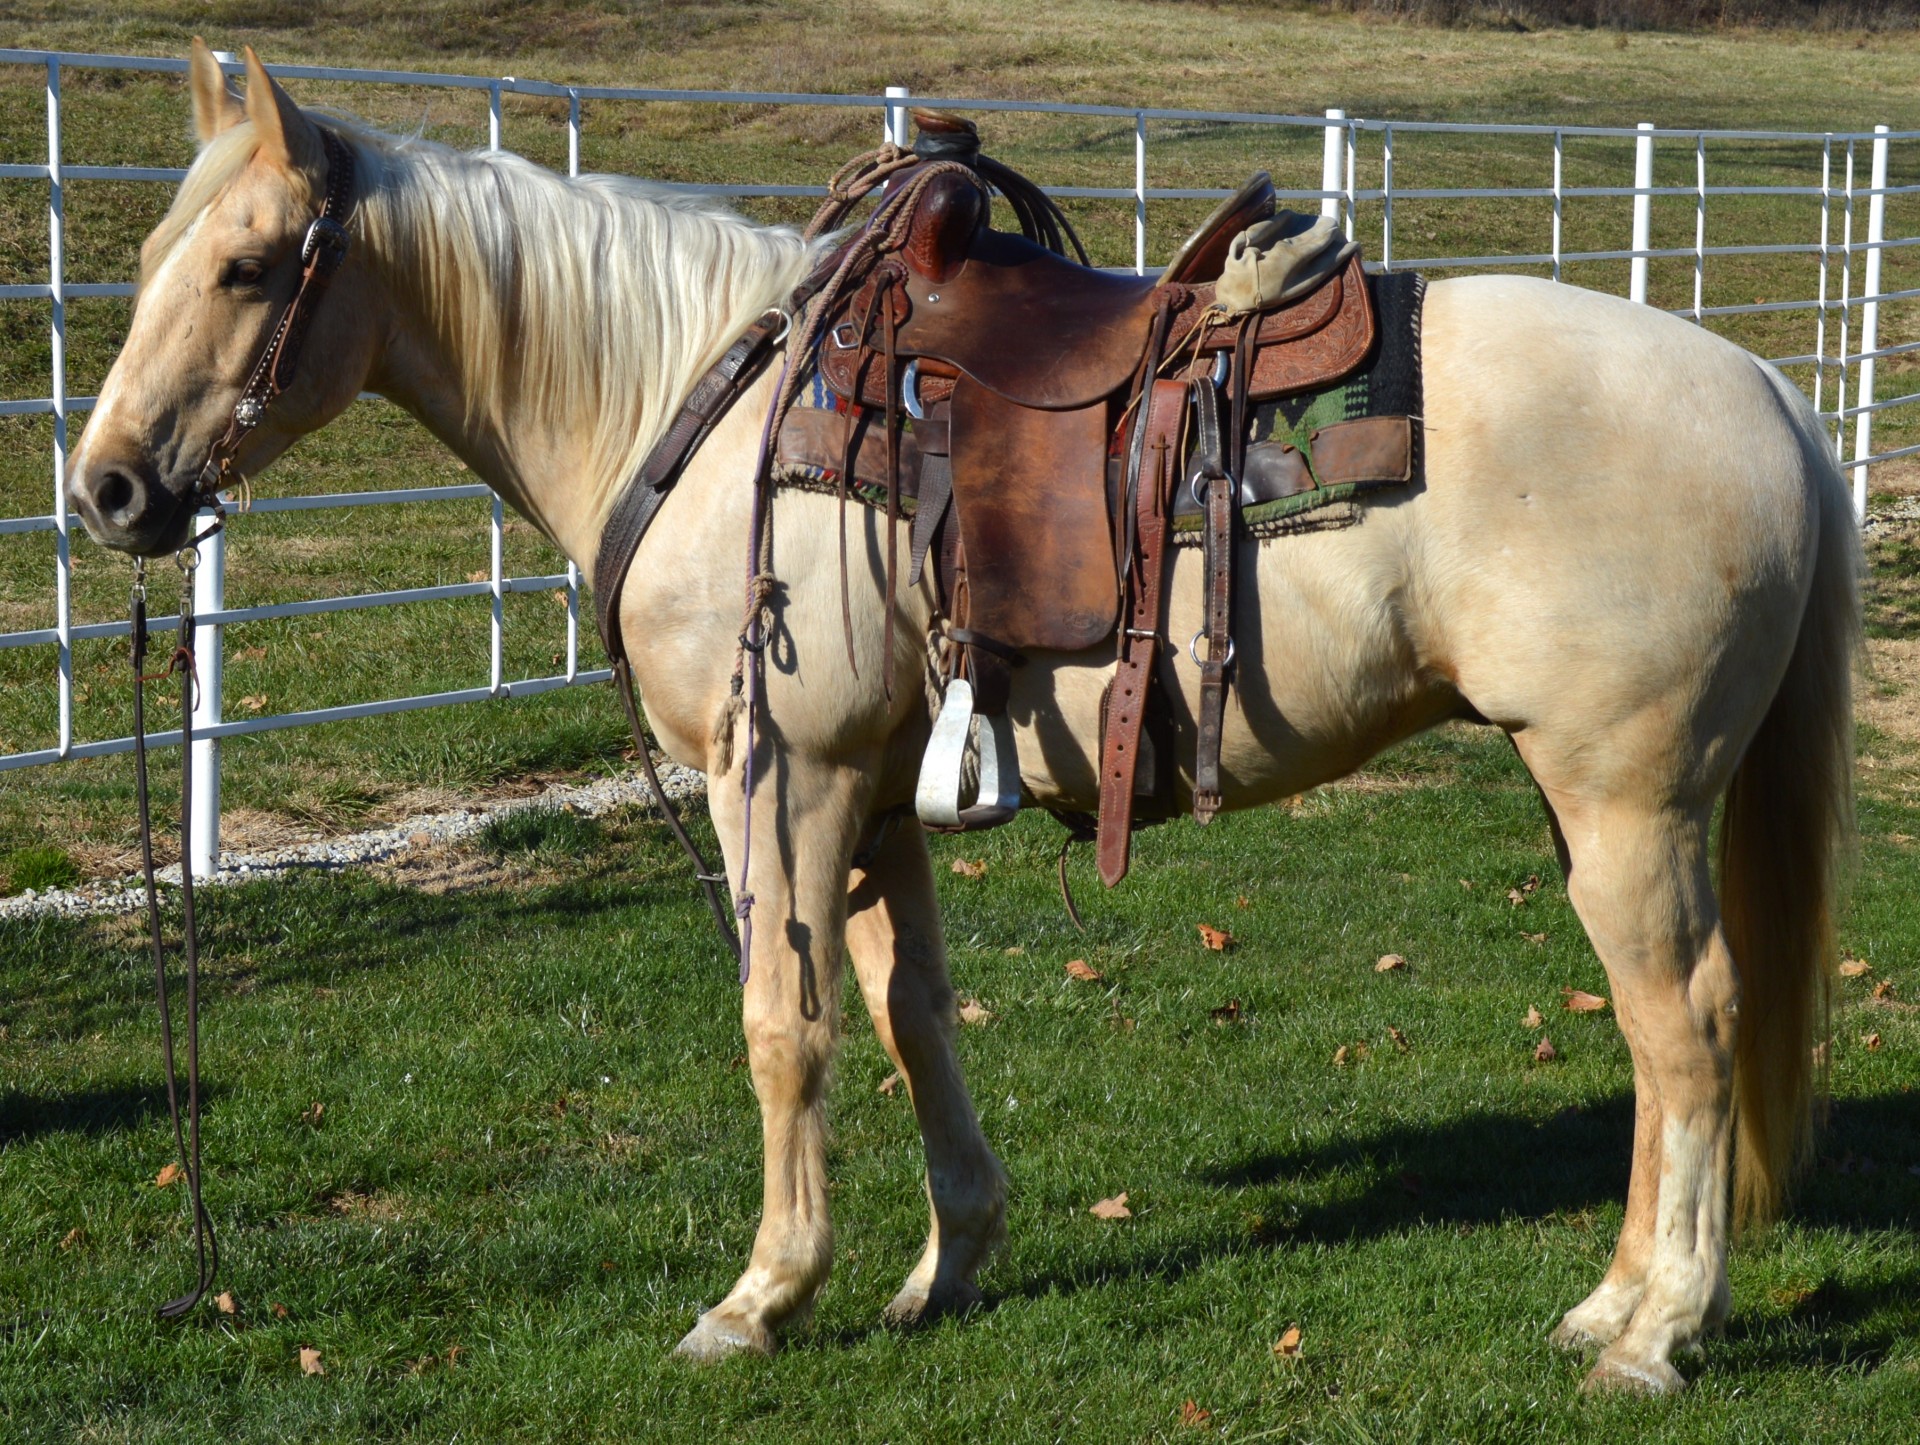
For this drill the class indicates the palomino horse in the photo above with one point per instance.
(1632, 552)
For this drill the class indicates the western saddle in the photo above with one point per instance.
(1046, 421)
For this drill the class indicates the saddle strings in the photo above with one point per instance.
(885, 230)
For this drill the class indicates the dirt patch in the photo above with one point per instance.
(377, 1205)
(1897, 478)
(1890, 699)
(442, 871)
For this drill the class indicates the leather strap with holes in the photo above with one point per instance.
(1165, 407)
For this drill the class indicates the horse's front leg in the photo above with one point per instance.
(900, 956)
(807, 815)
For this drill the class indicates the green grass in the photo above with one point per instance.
(542, 832)
(1276, 58)
(539, 1157)
(37, 867)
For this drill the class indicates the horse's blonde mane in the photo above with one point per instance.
(603, 297)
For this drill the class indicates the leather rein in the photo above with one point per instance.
(321, 254)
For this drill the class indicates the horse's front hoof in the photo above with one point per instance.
(1633, 1377)
(713, 1339)
(918, 1305)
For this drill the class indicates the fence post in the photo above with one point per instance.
(1333, 164)
(209, 585)
(1642, 211)
(894, 128)
(57, 289)
(1139, 193)
(1869, 324)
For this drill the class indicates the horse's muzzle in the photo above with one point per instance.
(126, 506)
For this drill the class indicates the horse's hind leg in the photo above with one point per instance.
(893, 933)
(1641, 884)
(806, 819)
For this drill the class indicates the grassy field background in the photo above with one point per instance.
(537, 1155)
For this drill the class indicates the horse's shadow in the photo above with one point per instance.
(1495, 1168)
(106, 1109)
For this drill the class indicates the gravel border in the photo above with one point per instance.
(424, 830)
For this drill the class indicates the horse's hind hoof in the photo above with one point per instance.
(713, 1339)
(916, 1305)
(1633, 1377)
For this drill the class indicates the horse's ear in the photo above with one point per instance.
(215, 107)
(287, 137)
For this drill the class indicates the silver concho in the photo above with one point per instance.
(249, 412)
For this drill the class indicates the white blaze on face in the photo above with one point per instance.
(113, 389)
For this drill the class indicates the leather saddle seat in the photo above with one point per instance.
(1019, 366)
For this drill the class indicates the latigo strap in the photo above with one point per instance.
(1156, 438)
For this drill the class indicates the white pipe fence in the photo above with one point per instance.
(1348, 143)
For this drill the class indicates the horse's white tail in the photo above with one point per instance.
(1787, 827)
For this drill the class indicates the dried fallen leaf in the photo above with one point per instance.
(1389, 963)
(311, 1114)
(279, 1310)
(1883, 989)
(1544, 1052)
(1014, 952)
(1579, 1001)
(890, 1083)
(1399, 1040)
(1193, 1417)
(1114, 1208)
(972, 1011)
(1872, 1043)
(1466, 883)
(168, 1176)
(1340, 1057)
(1243, 902)
(1536, 939)
(1227, 1013)
(1854, 967)
(76, 1235)
(226, 1303)
(1218, 939)
(974, 868)
(1287, 1347)
(254, 702)
(1532, 884)
(1533, 1019)
(1516, 897)
(1079, 968)
(481, 576)
(310, 1362)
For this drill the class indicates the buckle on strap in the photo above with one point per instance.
(327, 239)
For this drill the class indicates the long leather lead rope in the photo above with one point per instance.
(186, 1141)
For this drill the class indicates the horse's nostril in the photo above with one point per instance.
(113, 492)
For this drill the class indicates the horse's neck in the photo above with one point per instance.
(551, 464)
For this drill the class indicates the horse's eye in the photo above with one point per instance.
(243, 271)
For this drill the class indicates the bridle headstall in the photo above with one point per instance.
(322, 251)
